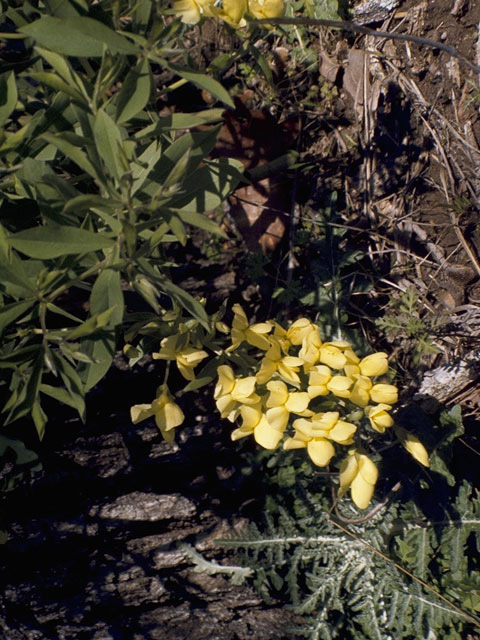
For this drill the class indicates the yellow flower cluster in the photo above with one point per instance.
(323, 389)
(231, 11)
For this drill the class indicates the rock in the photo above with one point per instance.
(146, 506)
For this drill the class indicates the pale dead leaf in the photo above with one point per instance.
(328, 67)
(353, 79)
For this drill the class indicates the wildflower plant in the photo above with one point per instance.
(304, 393)
(288, 388)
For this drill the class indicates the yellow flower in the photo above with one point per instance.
(275, 362)
(190, 11)
(331, 354)
(413, 445)
(299, 329)
(254, 334)
(281, 403)
(376, 364)
(360, 393)
(168, 415)
(379, 417)
(311, 346)
(318, 378)
(230, 392)
(186, 357)
(233, 12)
(315, 434)
(340, 386)
(266, 8)
(387, 393)
(256, 422)
(360, 474)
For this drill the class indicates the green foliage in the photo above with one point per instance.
(407, 570)
(406, 320)
(94, 186)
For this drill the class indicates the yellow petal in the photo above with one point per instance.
(294, 443)
(319, 375)
(169, 417)
(141, 412)
(297, 402)
(318, 390)
(375, 364)
(413, 445)
(266, 436)
(244, 387)
(351, 371)
(266, 371)
(332, 357)
(251, 415)
(367, 468)
(325, 420)
(278, 418)
(321, 451)
(348, 471)
(351, 356)
(359, 396)
(186, 370)
(188, 11)
(416, 449)
(225, 405)
(226, 381)
(361, 491)
(301, 327)
(233, 11)
(241, 432)
(278, 393)
(386, 393)
(340, 386)
(257, 339)
(303, 428)
(240, 320)
(289, 374)
(342, 432)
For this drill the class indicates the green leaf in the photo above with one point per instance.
(79, 205)
(59, 394)
(197, 145)
(66, 8)
(181, 121)
(56, 83)
(52, 242)
(73, 152)
(184, 299)
(79, 36)
(19, 356)
(135, 92)
(109, 142)
(8, 96)
(101, 350)
(107, 294)
(39, 418)
(14, 279)
(72, 381)
(200, 80)
(202, 222)
(210, 185)
(198, 383)
(11, 312)
(90, 325)
(27, 398)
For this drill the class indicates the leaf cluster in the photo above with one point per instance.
(408, 570)
(94, 185)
